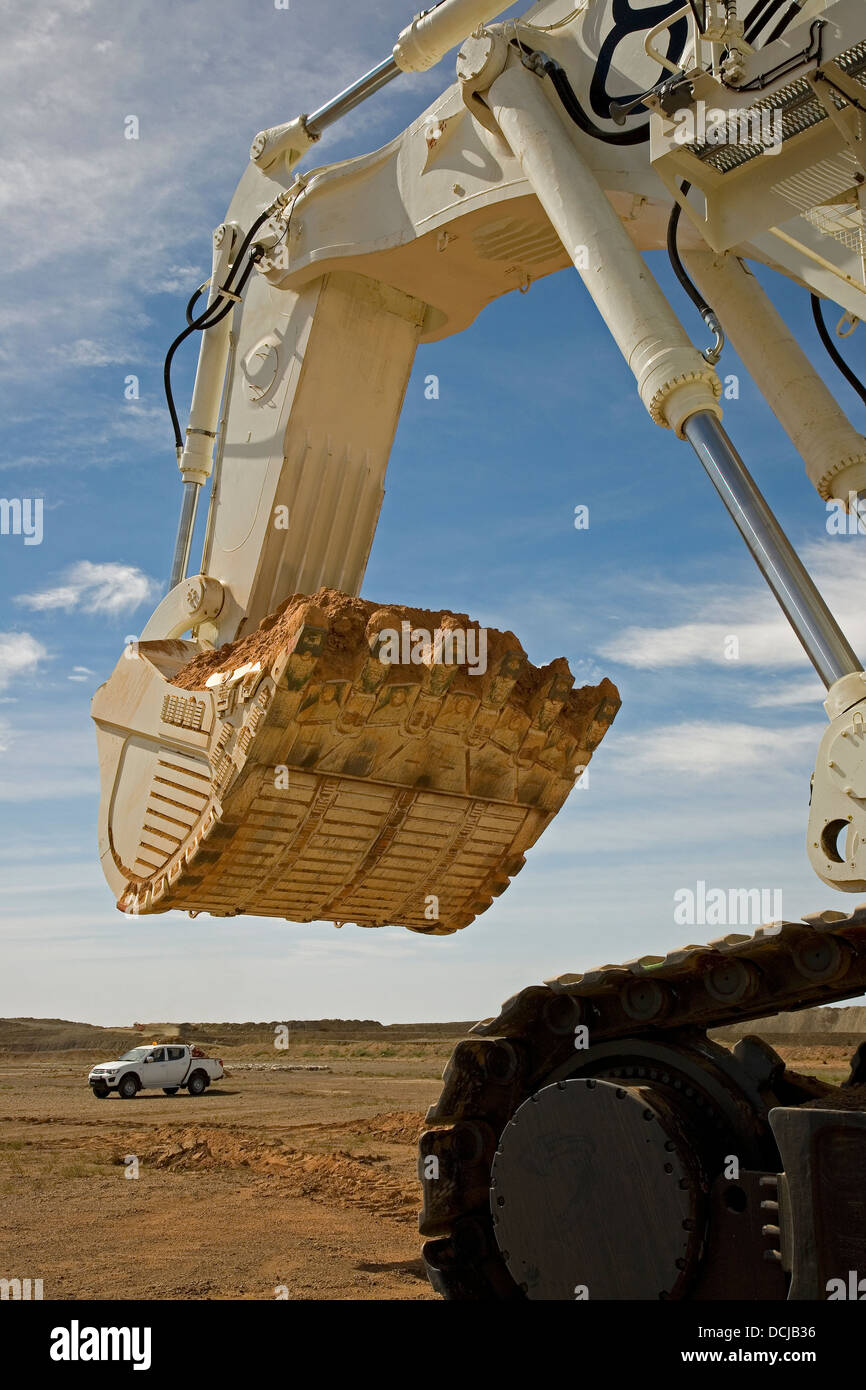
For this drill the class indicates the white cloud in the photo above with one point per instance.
(101, 588)
(684, 644)
(39, 766)
(145, 424)
(703, 749)
(85, 353)
(25, 462)
(20, 654)
(785, 696)
(177, 280)
(763, 636)
(86, 68)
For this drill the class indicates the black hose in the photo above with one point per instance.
(638, 135)
(758, 18)
(196, 326)
(786, 19)
(166, 381)
(210, 317)
(706, 311)
(824, 334)
(680, 271)
(700, 24)
(194, 299)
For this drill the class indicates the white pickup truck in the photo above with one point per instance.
(166, 1066)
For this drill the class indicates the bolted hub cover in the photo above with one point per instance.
(595, 1194)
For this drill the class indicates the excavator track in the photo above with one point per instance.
(633, 1031)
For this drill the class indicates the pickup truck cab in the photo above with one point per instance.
(159, 1066)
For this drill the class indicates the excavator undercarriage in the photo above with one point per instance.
(717, 1173)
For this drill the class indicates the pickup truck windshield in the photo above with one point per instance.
(136, 1054)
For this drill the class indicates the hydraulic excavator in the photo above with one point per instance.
(276, 745)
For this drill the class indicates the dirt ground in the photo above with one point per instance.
(275, 1183)
(297, 1182)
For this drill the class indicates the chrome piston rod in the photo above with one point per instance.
(366, 86)
(817, 630)
(420, 46)
(185, 528)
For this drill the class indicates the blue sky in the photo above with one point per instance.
(706, 772)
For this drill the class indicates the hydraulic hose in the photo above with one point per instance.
(706, 311)
(824, 333)
(212, 315)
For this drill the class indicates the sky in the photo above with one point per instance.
(704, 777)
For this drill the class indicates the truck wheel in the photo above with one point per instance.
(101, 1092)
(197, 1084)
(128, 1088)
(170, 1090)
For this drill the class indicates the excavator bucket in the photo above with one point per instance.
(345, 762)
